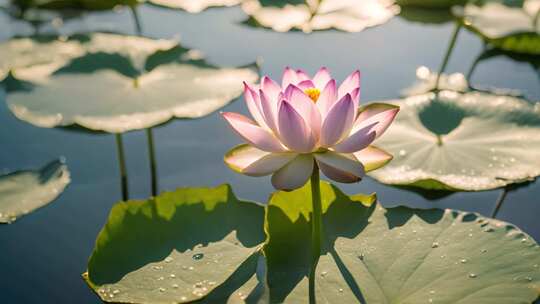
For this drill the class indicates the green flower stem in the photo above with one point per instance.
(448, 53)
(152, 159)
(122, 166)
(316, 230)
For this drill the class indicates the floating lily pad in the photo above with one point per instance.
(27, 52)
(194, 6)
(462, 142)
(123, 83)
(46, 54)
(396, 255)
(22, 192)
(344, 15)
(178, 247)
(515, 29)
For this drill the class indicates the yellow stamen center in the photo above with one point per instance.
(313, 93)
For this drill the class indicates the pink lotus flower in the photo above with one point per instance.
(308, 122)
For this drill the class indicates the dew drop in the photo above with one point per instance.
(463, 261)
(435, 245)
(191, 268)
(432, 291)
(430, 300)
(161, 289)
(523, 240)
(183, 298)
(174, 285)
(340, 290)
(116, 291)
(168, 259)
(361, 256)
(470, 234)
(529, 279)
(488, 229)
(211, 283)
(324, 273)
(483, 250)
(160, 278)
(198, 256)
(402, 152)
(198, 285)
(472, 275)
(172, 275)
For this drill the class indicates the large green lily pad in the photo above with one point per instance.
(123, 83)
(396, 255)
(194, 6)
(201, 244)
(515, 29)
(178, 247)
(308, 16)
(462, 141)
(22, 192)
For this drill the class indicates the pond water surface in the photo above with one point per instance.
(43, 255)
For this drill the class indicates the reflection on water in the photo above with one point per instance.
(189, 152)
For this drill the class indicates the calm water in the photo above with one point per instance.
(43, 254)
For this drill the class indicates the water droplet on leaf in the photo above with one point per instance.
(198, 256)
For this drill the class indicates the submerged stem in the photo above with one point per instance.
(477, 60)
(152, 158)
(316, 230)
(136, 19)
(448, 53)
(122, 166)
(499, 202)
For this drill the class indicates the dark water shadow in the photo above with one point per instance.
(431, 195)
(426, 15)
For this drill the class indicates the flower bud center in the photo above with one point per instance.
(313, 93)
